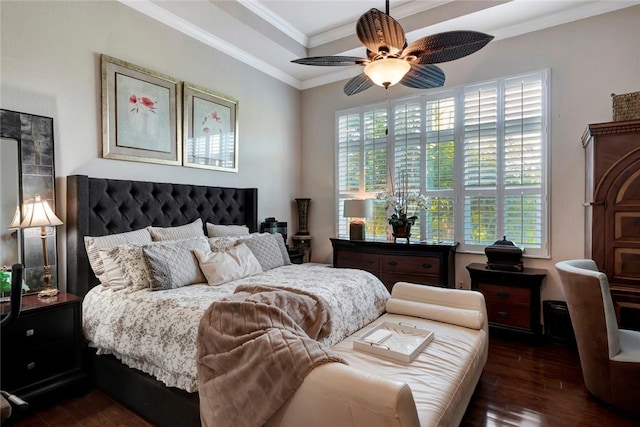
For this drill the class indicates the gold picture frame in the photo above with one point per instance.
(210, 129)
(141, 114)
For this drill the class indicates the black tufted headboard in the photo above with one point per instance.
(97, 207)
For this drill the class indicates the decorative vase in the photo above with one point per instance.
(402, 231)
(303, 217)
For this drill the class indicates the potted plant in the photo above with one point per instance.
(401, 199)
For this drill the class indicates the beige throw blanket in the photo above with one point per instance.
(254, 350)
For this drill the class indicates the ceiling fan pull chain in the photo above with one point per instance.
(386, 92)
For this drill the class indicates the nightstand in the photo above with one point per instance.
(512, 297)
(42, 349)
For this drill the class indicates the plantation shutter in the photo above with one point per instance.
(349, 135)
(480, 170)
(440, 168)
(523, 161)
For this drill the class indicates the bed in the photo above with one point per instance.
(162, 388)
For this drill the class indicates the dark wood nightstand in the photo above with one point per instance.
(512, 297)
(42, 349)
(295, 255)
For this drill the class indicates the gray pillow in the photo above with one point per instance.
(187, 231)
(266, 247)
(173, 265)
(95, 244)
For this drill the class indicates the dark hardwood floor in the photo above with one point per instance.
(522, 385)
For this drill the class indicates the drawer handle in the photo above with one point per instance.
(393, 263)
(426, 265)
(503, 294)
(31, 365)
(370, 261)
(30, 332)
(503, 314)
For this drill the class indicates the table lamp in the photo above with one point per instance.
(38, 213)
(358, 209)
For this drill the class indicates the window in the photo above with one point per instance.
(478, 153)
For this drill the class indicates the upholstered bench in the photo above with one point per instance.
(434, 389)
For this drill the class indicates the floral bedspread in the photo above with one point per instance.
(155, 332)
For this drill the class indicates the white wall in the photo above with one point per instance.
(589, 60)
(50, 53)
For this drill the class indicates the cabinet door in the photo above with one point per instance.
(622, 221)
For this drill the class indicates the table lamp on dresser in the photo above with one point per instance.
(358, 209)
(38, 213)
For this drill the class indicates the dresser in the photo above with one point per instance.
(424, 264)
(512, 297)
(42, 348)
(612, 203)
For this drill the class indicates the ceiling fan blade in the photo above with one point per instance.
(331, 61)
(357, 84)
(423, 76)
(380, 32)
(443, 47)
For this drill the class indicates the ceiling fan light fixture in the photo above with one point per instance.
(387, 71)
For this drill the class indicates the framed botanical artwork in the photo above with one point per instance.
(141, 114)
(210, 130)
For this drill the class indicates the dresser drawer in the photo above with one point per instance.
(503, 294)
(32, 330)
(359, 260)
(410, 264)
(509, 315)
(389, 279)
(26, 368)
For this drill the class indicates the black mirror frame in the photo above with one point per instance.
(37, 175)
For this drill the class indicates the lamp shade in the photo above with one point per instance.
(358, 208)
(387, 72)
(38, 214)
(15, 222)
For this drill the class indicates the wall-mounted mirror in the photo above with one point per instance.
(26, 161)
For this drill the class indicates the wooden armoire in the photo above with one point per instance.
(613, 211)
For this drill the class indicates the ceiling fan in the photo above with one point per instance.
(390, 60)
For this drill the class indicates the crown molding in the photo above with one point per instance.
(156, 12)
(265, 13)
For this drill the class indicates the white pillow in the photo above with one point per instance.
(215, 230)
(95, 244)
(180, 232)
(223, 267)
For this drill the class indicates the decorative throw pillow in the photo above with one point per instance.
(113, 272)
(223, 267)
(181, 232)
(215, 230)
(218, 244)
(95, 244)
(283, 248)
(173, 265)
(266, 248)
(130, 259)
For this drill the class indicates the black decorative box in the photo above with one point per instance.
(504, 255)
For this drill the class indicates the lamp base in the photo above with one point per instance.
(356, 229)
(48, 292)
